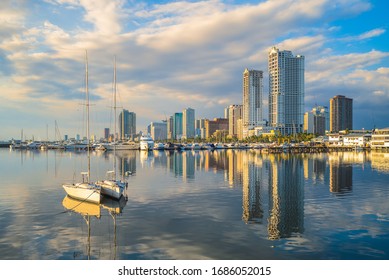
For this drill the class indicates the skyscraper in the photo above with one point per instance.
(341, 113)
(127, 124)
(188, 123)
(252, 99)
(234, 114)
(177, 126)
(286, 91)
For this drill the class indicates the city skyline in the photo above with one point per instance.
(346, 52)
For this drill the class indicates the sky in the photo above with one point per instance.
(177, 54)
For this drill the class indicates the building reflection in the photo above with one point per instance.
(380, 161)
(126, 162)
(341, 173)
(252, 181)
(286, 196)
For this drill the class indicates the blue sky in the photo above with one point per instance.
(177, 54)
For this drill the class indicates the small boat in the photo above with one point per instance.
(146, 143)
(112, 187)
(196, 146)
(159, 146)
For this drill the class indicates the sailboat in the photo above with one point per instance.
(111, 186)
(85, 190)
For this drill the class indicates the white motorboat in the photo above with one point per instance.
(159, 146)
(146, 143)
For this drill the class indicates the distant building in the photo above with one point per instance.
(217, 124)
(341, 113)
(314, 123)
(188, 123)
(158, 131)
(177, 126)
(286, 91)
(170, 128)
(106, 133)
(235, 113)
(200, 128)
(323, 111)
(252, 99)
(127, 124)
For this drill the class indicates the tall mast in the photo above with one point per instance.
(87, 110)
(114, 107)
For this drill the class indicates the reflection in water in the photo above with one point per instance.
(286, 194)
(341, 174)
(86, 210)
(380, 161)
(252, 182)
(92, 210)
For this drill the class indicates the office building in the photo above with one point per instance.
(286, 91)
(170, 128)
(341, 113)
(252, 99)
(200, 128)
(234, 114)
(158, 131)
(217, 124)
(188, 123)
(127, 124)
(177, 126)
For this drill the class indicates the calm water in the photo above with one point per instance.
(198, 205)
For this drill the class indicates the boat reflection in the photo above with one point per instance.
(89, 210)
(86, 210)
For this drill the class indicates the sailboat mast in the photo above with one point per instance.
(114, 98)
(87, 110)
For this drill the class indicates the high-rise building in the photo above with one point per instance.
(170, 128)
(217, 124)
(316, 121)
(252, 99)
(341, 113)
(106, 133)
(200, 131)
(188, 123)
(158, 131)
(322, 111)
(177, 126)
(127, 124)
(234, 114)
(286, 91)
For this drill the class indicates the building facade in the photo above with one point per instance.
(341, 113)
(188, 123)
(177, 126)
(286, 91)
(158, 131)
(234, 114)
(252, 110)
(217, 124)
(127, 124)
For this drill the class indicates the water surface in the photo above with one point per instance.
(227, 204)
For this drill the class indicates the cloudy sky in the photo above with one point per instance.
(177, 54)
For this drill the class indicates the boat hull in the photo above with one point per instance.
(83, 192)
(111, 188)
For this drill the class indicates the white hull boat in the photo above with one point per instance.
(83, 191)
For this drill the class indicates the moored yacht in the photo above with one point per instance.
(146, 143)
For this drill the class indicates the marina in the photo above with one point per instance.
(197, 204)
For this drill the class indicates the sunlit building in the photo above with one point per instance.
(252, 99)
(341, 113)
(286, 91)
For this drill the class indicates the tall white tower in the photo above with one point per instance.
(286, 91)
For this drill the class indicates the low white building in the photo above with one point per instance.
(380, 138)
(335, 139)
(356, 140)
